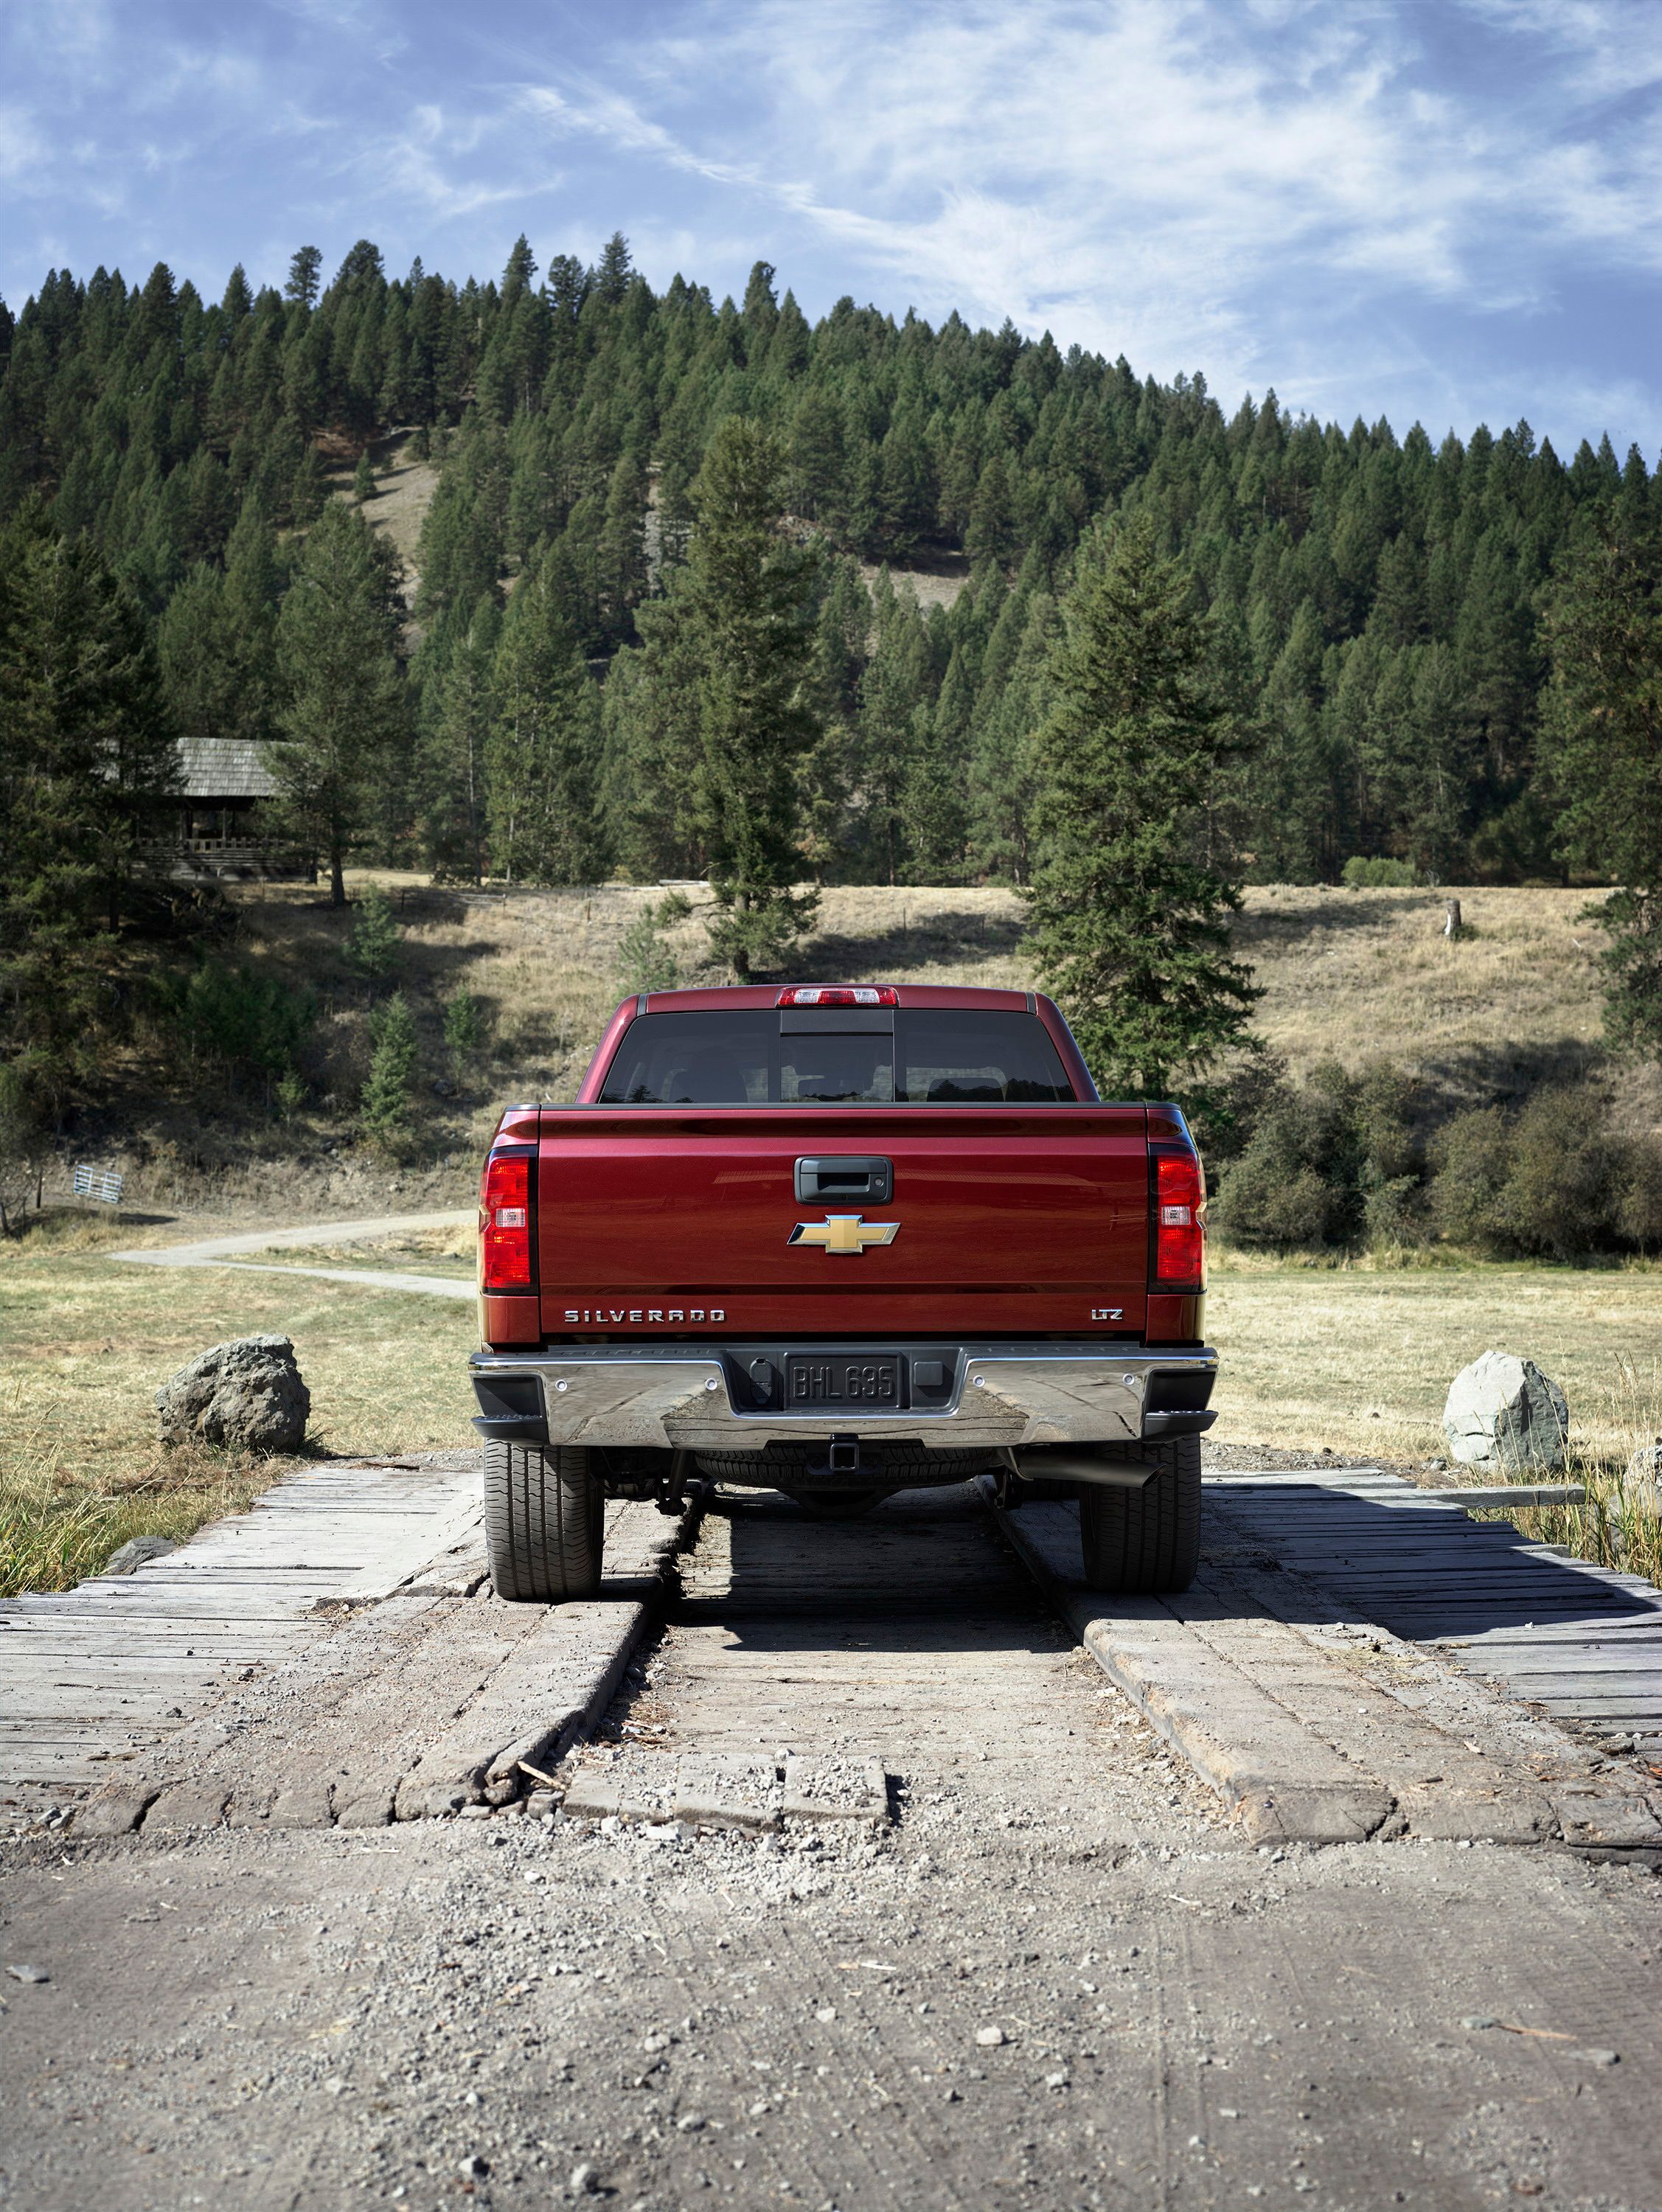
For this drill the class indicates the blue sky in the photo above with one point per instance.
(1447, 211)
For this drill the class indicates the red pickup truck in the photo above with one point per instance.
(839, 1241)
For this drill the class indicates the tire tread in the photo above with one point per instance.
(543, 1522)
(1145, 1543)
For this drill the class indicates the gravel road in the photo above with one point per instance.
(1058, 1976)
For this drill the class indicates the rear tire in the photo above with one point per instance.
(544, 1524)
(1141, 1543)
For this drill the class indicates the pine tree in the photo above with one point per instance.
(545, 744)
(87, 766)
(613, 276)
(458, 706)
(651, 748)
(1131, 925)
(385, 1112)
(647, 961)
(309, 490)
(305, 274)
(146, 420)
(1603, 740)
(893, 687)
(828, 772)
(373, 948)
(344, 710)
(1004, 769)
(464, 1032)
(748, 602)
(218, 636)
(363, 479)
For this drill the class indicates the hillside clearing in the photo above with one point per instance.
(1350, 975)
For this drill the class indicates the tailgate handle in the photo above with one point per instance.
(853, 1176)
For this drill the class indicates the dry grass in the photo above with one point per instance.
(1360, 975)
(403, 492)
(55, 1529)
(1354, 1357)
(1360, 1359)
(444, 1252)
(938, 584)
(1351, 974)
(88, 1343)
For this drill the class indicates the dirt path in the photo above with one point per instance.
(222, 1251)
(1059, 1975)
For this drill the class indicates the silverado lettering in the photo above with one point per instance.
(923, 1250)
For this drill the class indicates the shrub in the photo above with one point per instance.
(1378, 875)
(1384, 1107)
(384, 1111)
(1324, 1162)
(244, 1023)
(1297, 1181)
(1471, 1155)
(373, 947)
(1552, 1182)
(1636, 1194)
(1224, 1116)
(646, 961)
(1337, 1158)
(464, 1032)
(1556, 1200)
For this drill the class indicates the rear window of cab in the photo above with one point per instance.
(759, 1057)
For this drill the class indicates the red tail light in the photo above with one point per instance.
(838, 995)
(1178, 1204)
(506, 1225)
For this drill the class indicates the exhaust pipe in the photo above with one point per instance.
(1095, 1468)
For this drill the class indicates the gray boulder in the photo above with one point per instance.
(138, 1551)
(247, 1393)
(1642, 1485)
(1504, 1415)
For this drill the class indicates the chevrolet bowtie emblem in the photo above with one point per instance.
(844, 1233)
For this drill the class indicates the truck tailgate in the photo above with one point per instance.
(1010, 1219)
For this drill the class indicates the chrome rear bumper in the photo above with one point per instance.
(1004, 1393)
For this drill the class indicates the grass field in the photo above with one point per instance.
(88, 1343)
(1352, 1358)
(1360, 1360)
(445, 1252)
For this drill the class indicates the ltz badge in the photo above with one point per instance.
(844, 1233)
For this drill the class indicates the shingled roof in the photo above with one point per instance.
(225, 767)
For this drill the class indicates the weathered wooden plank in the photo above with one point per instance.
(1640, 1628)
(244, 1593)
(1572, 1640)
(1634, 1689)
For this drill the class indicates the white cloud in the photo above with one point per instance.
(1400, 205)
(429, 161)
(1142, 173)
(23, 148)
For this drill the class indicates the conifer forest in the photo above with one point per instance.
(703, 590)
(1377, 598)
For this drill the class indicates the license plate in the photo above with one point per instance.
(854, 1380)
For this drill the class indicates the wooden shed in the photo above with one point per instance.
(222, 823)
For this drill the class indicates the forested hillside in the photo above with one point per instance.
(1379, 600)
